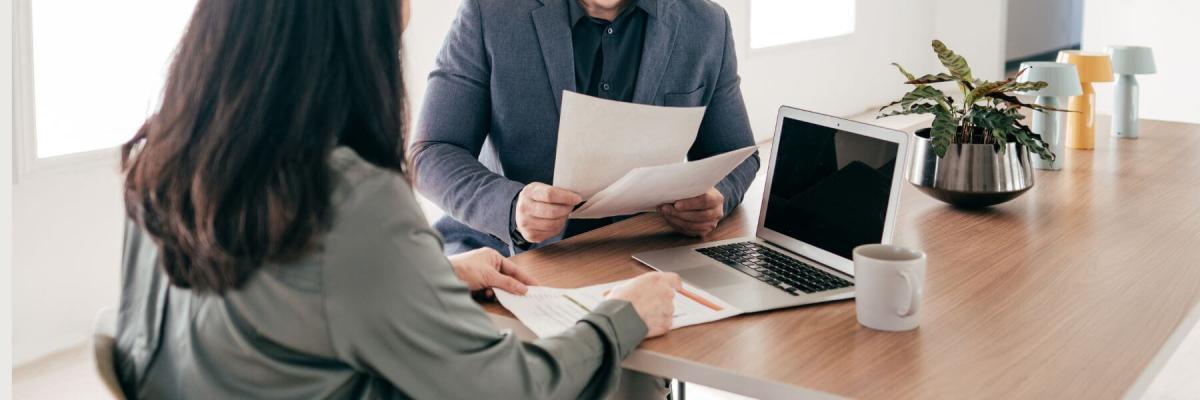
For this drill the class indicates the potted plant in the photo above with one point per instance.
(976, 153)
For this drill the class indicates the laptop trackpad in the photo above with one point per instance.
(709, 277)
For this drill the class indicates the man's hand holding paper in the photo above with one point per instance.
(695, 216)
(542, 210)
(646, 188)
(625, 158)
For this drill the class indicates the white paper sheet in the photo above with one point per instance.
(600, 140)
(645, 188)
(548, 311)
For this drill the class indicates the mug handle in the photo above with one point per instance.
(914, 295)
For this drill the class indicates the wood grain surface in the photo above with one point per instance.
(1065, 292)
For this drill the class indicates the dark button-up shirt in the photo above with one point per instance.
(608, 54)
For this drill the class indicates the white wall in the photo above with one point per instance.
(848, 75)
(6, 164)
(66, 248)
(67, 244)
(842, 75)
(1040, 26)
(976, 30)
(1168, 26)
(422, 41)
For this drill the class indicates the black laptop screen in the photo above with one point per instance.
(830, 188)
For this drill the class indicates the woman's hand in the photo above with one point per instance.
(483, 269)
(653, 297)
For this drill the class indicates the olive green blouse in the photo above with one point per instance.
(375, 311)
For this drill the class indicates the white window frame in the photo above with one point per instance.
(25, 157)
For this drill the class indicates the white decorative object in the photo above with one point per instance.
(1128, 61)
(1063, 81)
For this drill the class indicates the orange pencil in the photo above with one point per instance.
(701, 300)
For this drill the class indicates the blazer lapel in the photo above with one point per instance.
(554, 35)
(656, 53)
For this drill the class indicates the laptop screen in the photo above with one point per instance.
(830, 188)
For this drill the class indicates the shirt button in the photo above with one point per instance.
(610, 31)
(605, 86)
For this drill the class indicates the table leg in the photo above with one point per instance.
(678, 390)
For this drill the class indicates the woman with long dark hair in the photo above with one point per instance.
(275, 248)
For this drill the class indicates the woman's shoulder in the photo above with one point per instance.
(355, 178)
(377, 226)
(370, 200)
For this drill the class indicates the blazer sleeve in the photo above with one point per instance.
(396, 310)
(726, 127)
(454, 122)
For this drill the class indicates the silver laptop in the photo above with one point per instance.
(832, 184)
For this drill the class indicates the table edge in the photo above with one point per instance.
(688, 371)
(718, 378)
(1168, 349)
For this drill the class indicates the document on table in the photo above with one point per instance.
(599, 140)
(548, 311)
(645, 188)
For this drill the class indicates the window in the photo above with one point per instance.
(98, 68)
(780, 22)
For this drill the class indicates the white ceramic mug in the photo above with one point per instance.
(889, 281)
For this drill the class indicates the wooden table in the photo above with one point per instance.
(1069, 291)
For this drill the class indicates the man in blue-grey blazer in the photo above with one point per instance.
(485, 145)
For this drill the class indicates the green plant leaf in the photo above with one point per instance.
(992, 119)
(1010, 100)
(921, 93)
(956, 64)
(903, 71)
(917, 96)
(1023, 86)
(999, 114)
(967, 87)
(982, 90)
(942, 131)
(1023, 130)
(999, 124)
(1033, 142)
(999, 139)
(928, 79)
(922, 108)
(1014, 102)
(1041, 108)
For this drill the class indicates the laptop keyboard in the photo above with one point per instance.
(773, 268)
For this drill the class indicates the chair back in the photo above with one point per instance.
(104, 343)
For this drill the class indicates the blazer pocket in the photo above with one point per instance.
(693, 98)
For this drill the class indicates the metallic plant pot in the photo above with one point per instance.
(970, 175)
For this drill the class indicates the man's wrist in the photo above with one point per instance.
(514, 234)
(519, 240)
